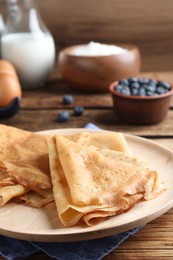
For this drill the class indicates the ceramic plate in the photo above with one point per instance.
(27, 223)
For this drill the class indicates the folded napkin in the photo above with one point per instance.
(84, 250)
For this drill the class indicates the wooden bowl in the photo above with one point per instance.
(95, 73)
(140, 110)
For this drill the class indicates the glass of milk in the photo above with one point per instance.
(27, 44)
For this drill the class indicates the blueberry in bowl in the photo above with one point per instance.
(141, 100)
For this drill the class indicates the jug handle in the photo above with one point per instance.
(2, 24)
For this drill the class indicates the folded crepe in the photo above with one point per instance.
(91, 183)
(102, 139)
(24, 167)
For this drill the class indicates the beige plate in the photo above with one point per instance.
(27, 223)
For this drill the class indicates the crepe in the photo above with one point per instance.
(91, 183)
(102, 139)
(24, 155)
(36, 199)
(24, 165)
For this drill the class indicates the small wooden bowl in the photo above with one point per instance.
(140, 110)
(95, 73)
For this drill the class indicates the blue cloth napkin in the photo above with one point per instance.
(94, 249)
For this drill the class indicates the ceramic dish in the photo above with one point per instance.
(27, 223)
(140, 110)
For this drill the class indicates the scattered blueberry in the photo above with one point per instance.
(63, 116)
(68, 99)
(78, 110)
(142, 87)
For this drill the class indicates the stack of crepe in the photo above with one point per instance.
(93, 175)
(24, 167)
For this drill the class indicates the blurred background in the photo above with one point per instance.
(146, 23)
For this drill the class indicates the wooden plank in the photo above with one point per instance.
(105, 119)
(51, 95)
(151, 242)
(112, 17)
(50, 100)
(145, 23)
(143, 255)
(115, 21)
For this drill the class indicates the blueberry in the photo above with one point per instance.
(142, 87)
(63, 116)
(119, 88)
(165, 84)
(143, 80)
(78, 111)
(160, 90)
(134, 85)
(126, 90)
(152, 82)
(68, 99)
(124, 82)
(134, 91)
(142, 92)
(149, 87)
(132, 79)
(150, 93)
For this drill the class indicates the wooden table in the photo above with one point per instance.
(38, 112)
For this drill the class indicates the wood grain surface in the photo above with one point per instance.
(147, 23)
(38, 111)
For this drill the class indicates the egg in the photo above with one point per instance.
(7, 67)
(9, 84)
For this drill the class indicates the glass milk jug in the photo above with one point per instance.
(27, 43)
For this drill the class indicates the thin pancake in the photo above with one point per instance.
(35, 200)
(9, 192)
(102, 139)
(93, 183)
(24, 155)
(24, 167)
